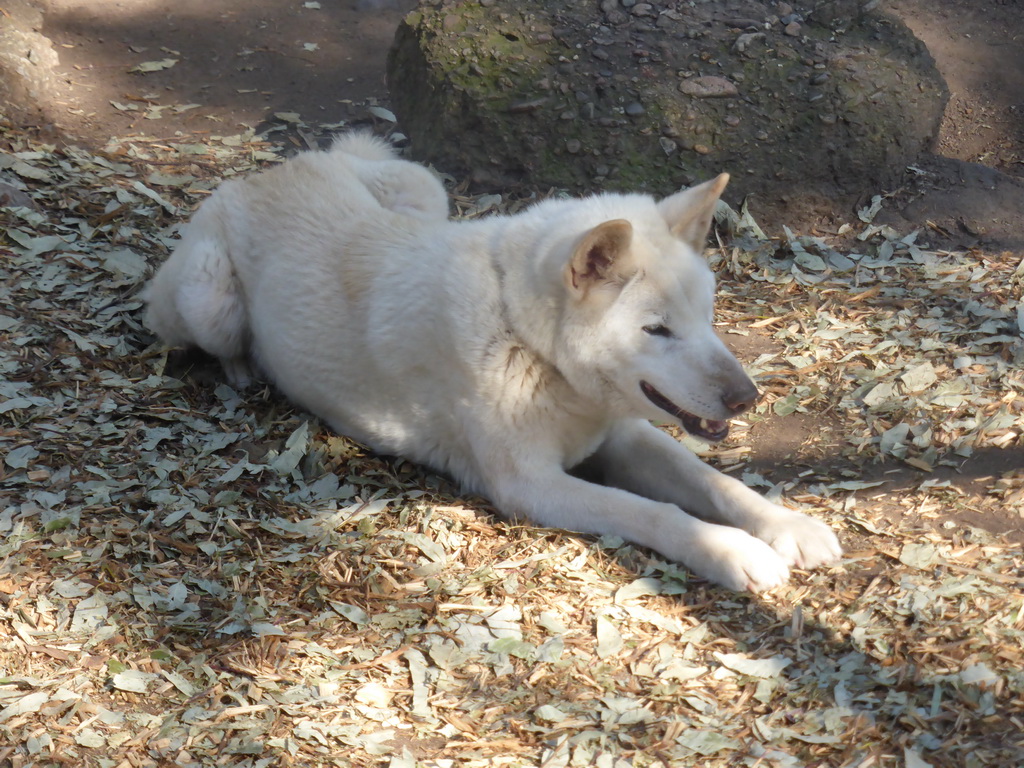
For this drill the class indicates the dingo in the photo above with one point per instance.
(504, 351)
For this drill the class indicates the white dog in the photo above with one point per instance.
(504, 351)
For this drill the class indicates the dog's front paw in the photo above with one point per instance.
(736, 560)
(801, 541)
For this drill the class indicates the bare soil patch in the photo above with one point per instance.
(971, 191)
(238, 62)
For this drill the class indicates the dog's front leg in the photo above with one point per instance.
(639, 457)
(550, 497)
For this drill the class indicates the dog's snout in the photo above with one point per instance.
(740, 398)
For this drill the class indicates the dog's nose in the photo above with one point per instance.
(740, 398)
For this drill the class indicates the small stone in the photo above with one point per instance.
(819, 78)
(783, 9)
(531, 105)
(573, 146)
(628, 3)
(702, 149)
(635, 109)
(792, 29)
(643, 9)
(602, 170)
(667, 145)
(708, 87)
(732, 121)
(600, 53)
(744, 41)
(761, 136)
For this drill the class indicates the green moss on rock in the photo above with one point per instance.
(563, 93)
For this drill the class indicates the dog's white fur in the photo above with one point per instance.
(504, 351)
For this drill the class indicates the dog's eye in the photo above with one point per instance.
(657, 330)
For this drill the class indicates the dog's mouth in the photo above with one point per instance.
(706, 429)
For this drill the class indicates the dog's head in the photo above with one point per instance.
(639, 317)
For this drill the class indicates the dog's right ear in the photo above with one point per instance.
(689, 213)
(601, 256)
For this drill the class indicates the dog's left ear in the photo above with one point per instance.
(689, 212)
(601, 256)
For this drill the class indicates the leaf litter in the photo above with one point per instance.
(196, 576)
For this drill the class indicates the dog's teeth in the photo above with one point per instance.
(703, 423)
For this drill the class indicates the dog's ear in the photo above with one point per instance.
(600, 256)
(689, 212)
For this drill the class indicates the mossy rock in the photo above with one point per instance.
(652, 96)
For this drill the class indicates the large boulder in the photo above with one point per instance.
(656, 94)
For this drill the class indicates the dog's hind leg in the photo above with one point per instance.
(196, 300)
(211, 302)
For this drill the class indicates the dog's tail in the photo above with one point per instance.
(397, 185)
(365, 145)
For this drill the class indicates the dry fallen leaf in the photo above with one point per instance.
(153, 66)
(193, 575)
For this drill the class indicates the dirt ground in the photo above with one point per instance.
(246, 62)
(979, 49)
(240, 63)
